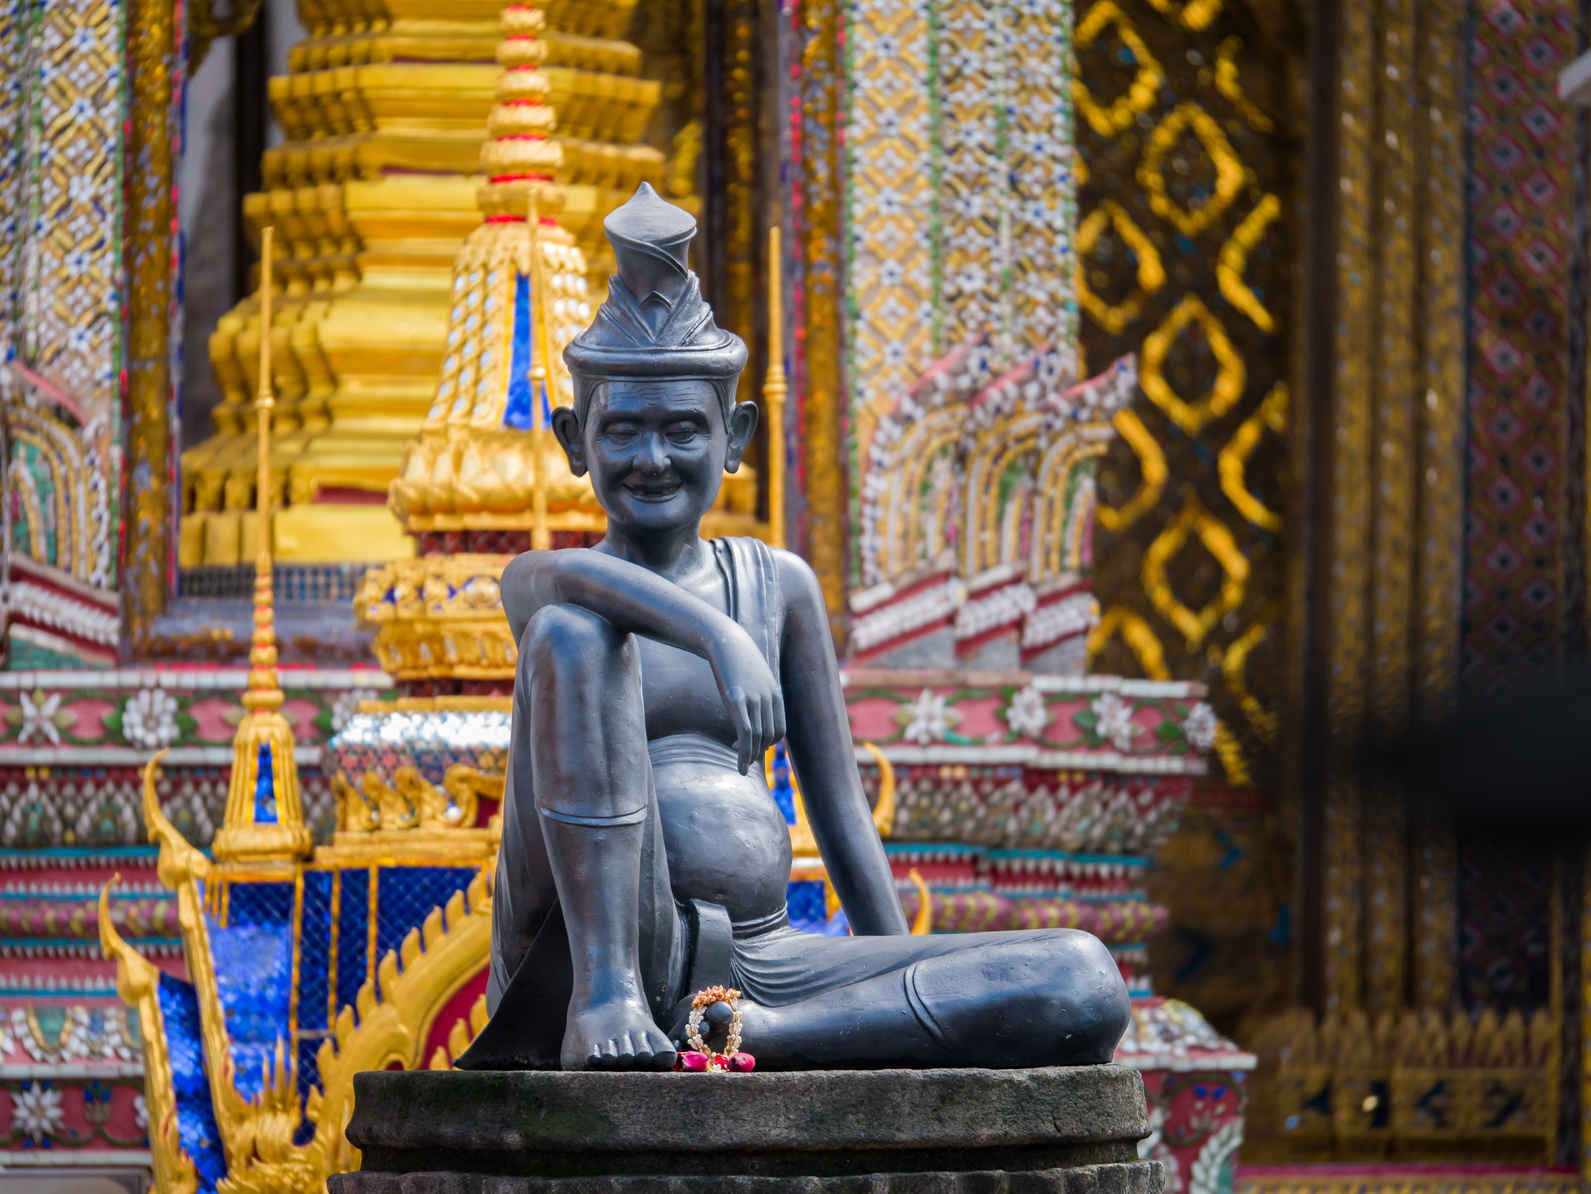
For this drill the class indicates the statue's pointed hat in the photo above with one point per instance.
(654, 322)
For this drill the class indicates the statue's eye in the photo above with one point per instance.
(619, 433)
(683, 433)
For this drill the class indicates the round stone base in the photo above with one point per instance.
(1041, 1131)
(1137, 1177)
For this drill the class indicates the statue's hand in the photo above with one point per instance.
(750, 694)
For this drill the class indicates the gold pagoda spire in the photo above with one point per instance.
(264, 818)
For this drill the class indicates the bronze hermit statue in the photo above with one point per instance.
(643, 857)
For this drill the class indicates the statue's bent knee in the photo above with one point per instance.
(568, 640)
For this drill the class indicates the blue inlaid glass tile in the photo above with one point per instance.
(314, 952)
(196, 1127)
(808, 908)
(265, 789)
(353, 935)
(783, 790)
(518, 411)
(254, 974)
(406, 896)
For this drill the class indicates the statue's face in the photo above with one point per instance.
(655, 449)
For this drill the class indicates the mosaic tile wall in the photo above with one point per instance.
(62, 113)
(1185, 256)
(1524, 555)
(958, 190)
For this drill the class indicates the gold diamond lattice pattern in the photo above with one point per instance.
(1184, 259)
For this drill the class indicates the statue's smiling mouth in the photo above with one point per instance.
(655, 491)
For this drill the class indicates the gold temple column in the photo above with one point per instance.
(1392, 569)
(147, 458)
(824, 538)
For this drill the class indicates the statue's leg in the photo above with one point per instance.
(1045, 997)
(593, 797)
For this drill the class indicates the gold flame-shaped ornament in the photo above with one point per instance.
(264, 817)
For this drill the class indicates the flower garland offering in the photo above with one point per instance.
(717, 1006)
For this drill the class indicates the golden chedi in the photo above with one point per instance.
(371, 197)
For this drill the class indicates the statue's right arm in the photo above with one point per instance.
(637, 601)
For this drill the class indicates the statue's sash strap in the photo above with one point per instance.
(755, 599)
(712, 954)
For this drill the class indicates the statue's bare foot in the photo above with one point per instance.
(617, 1035)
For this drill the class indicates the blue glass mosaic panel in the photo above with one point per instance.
(406, 896)
(308, 1076)
(196, 1127)
(254, 974)
(783, 790)
(519, 410)
(265, 788)
(353, 935)
(805, 899)
(314, 952)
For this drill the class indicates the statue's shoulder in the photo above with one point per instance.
(784, 572)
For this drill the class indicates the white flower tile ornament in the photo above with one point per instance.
(927, 719)
(37, 1111)
(1113, 721)
(1027, 714)
(1199, 727)
(39, 718)
(149, 719)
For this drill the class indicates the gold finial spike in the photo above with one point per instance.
(773, 390)
(264, 820)
(540, 375)
(264, 692)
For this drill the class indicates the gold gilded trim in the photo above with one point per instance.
(1138, 636)
(1140, 94)
(1231, 374)
(138, 984)
(1234, 260)
(1228, 84)
(1194, 519)
(1152, 470)
(1229, 172)
(1151, 273)
(1232, 462)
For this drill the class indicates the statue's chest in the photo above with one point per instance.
(681, 694)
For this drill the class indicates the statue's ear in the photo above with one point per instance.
(566, 427)
(742, 424)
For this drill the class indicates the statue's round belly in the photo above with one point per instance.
(726, 839)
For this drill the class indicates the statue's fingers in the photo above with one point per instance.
(769, 736)
(743, 742)
(754, 720)
(778, 716)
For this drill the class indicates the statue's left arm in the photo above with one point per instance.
(819, 740)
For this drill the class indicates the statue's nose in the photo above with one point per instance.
(651, 454)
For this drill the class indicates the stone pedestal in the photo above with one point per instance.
(1041, 1131)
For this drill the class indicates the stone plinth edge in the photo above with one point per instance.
(1138, 1177)
(431, 1125)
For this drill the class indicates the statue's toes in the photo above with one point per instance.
(662, 1055)
(626, 1051)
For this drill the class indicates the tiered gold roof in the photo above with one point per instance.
(372, 196)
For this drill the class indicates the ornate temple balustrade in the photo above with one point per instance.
(1416, 1086)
